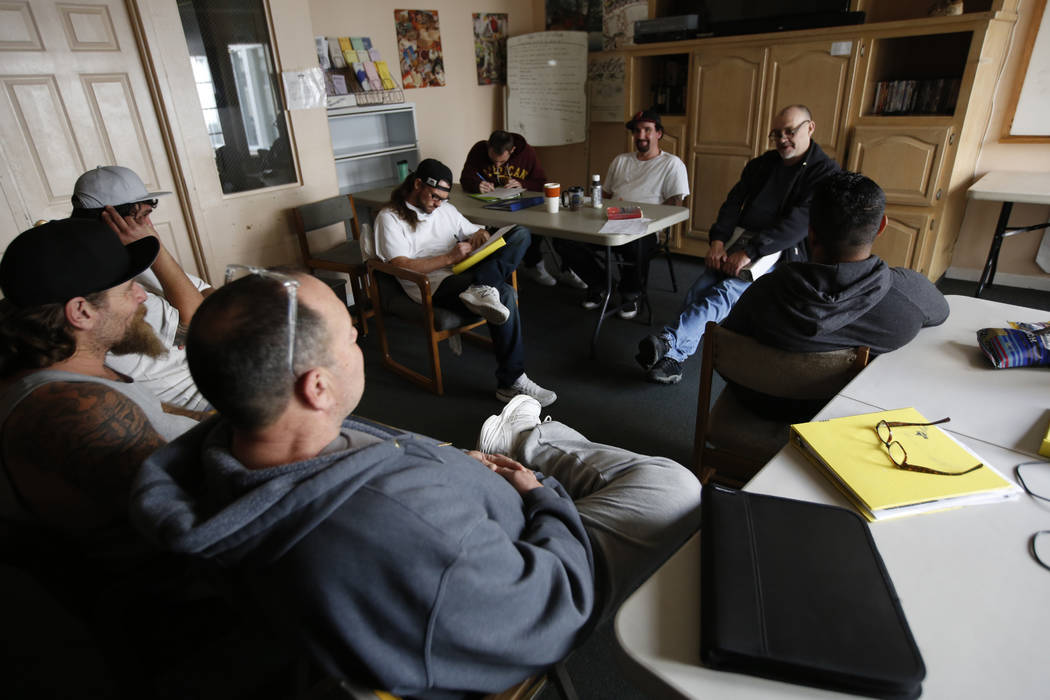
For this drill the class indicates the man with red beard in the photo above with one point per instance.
(74, 431)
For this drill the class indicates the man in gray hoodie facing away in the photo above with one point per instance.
(393, 559)
(845, 297)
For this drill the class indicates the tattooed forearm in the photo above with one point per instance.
(91, 436)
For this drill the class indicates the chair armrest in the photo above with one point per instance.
(417, 278)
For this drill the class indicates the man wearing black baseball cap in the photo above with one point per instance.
(419, 230)
(118, 197)
(74, 430)
(647, 175)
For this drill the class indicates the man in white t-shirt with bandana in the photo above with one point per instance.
(418, 229)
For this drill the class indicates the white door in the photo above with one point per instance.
(74, 95)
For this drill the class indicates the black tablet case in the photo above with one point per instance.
(797, 592)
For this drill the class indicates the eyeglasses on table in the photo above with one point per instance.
(899, 456)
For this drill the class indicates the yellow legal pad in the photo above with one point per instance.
(494, 243)
(849, 452)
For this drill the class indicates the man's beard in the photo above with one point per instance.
(140, 339)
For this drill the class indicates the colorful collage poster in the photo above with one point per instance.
(419, 48)
(490, 48)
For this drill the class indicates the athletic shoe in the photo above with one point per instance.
(539, 275)
(594, 299)
(666, 371)
(651, 350)
(484, 301)
(571, 279)
(524, 385)
(503, 433)
(628, 310)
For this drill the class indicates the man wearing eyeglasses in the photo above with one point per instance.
(419, 230)
(118, 197)
(392, 559)
(74, 429)
(766, 213)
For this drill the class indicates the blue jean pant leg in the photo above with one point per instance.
(507, 340)
(710, 298)
(497, 267)
(637, 509)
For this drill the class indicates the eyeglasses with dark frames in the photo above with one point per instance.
(291, 288)
(788, 131)
(899, 456)
(1034, 477)
(433, 194)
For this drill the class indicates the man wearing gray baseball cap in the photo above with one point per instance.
(74, 430)
(117, 196)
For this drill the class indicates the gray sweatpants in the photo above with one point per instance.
(638, 510)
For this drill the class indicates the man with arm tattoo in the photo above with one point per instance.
(74, 431)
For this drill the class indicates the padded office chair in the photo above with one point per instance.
(438, 324)
(346, 256)
(731, 442)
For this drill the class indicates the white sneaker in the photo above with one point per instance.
(570, 279)
(503, 433)
(483, 300)
(539, 275)
(524, 385)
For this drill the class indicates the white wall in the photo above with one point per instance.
(1016, 261)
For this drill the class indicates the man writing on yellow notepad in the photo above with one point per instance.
(419, 230)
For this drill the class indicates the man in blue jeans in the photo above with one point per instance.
(766, 213)
(419, 230)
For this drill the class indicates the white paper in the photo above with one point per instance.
(304, 89)
(841, 48)
(546, 81)
(627, 226)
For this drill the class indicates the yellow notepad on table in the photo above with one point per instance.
(494, 243)
(850, 453)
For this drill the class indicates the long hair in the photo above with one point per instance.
(399, 201)
(39, 336)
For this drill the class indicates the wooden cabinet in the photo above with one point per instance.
(898, 241)
(819, 75)
(923, 157)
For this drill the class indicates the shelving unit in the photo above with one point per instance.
(368, 142)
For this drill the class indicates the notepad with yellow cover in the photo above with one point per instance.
(494, 243)
(850, 453)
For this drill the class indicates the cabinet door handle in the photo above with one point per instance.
(939, 192)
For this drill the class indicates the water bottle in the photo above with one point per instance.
(596, 191)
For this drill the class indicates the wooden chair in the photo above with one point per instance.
(346, 256)
(731, 442)
(438, 324)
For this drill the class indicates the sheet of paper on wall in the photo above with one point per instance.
(304, 89)
(547, 87)
(625, 226)
(357, 44)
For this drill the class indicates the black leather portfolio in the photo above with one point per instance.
(797, 592)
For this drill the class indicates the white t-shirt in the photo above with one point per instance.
(435, 234)
(655, 180)
(168, 376)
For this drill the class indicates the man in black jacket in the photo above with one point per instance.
(766, 213)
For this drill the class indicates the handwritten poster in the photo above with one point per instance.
(606, 78)
(547, 81)
(419, 48)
